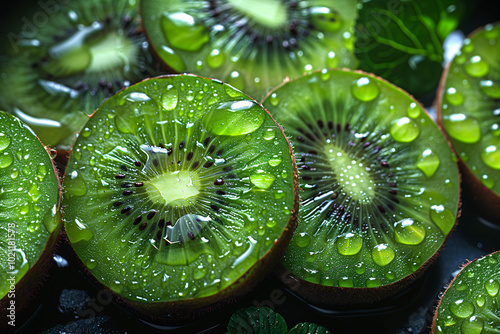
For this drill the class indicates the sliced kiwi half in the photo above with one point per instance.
(469, 111)
(54, 75)
(180, 192)
(380, 187)
(470, 304)
(253, 44)
(30, 221)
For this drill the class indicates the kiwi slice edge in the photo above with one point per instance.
(177, 311)
(335, 294)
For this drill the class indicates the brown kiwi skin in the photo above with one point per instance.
(29, 287)
(185, 311)
(486, 202)
(346, 298)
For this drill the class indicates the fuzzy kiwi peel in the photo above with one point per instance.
(30, 228)
(470, 303)
(180, 192)
(55, 76)
(380, 187)
(254, 44)
(468, 107)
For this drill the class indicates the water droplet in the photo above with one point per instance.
(462, 128)
(86, 132)
(428, 162)
(14, 173)
(474, 325)
(383, 254)
(75, 186)
(284, 174)
(263, 180)
(349, 243)
(52, 219)
(365, 90)
(413, 110)
(325, 74)
(332, 60)
(6, 159)
(443, 218)
(274, 100)
(170, 98)
(269, 134)
(199, 272)
(454, 97)
(492, 287)
(4, 141)
(42, 172)
(183, 32)
(487, 181)
(476, 67)
(34, 192)
(360, 268)
(215, 58)
(275, 161)
(491, 156)
(346, 282)
(234, 118)
(462, 308)
(373, 282)
(236, 80)
(91, 264)
(24, 209)
(490, 88)
(480, 300)
(449, 321)
(171, 58)
(77, 231)
(409, 232)
(116, 286)
(404, 130)
(325, 19)
(302, 239)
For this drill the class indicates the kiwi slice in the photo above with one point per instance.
(470, 304)
(253, 44)
(469, 111)
(380, 186)
(308, 328)
(55, 75)
(30, 221)
(180, 192)
(256, 320)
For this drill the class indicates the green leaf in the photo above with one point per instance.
(402, 40)
(254, 320)
(308, 328)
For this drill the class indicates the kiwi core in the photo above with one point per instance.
(177, 188)
(352, 175)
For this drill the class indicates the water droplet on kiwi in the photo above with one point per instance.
(22, 264)
(51, 219)
(487, 181)
(171, 58)
(116, 286)
(443, 218)
(236, 80)
(491, 156)
(183, 31)
(325, 74)
(476, 67)
(462, 128)
(373, 282)
(413, 110)
(274, 100)
(14, 173)
(462, 308)
(234, 118)
(492, 286)
(349, 243)
(34, 192)
(428, 162)
(215, 58)
(42, 172)
(262, 180)
(346, 282)
(490, 88)
(4, 141)
(77, 231)
(170, 98)
(199, 272)
(474, 325)
(454, 97)
(449, 321)
(332, 60)
(275, 161)
(360, 268)
(302, 239)
(325, 19)
(269, 134)
(383, 254)
(76, 187)
(404, 130)
(480, 300)
(6, 159)
(365, 90)
(409, 232)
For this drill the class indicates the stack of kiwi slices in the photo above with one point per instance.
(64, 60)
(380, 186)
(469, 109)
(30, 222)
(251, 44)
(180, 192)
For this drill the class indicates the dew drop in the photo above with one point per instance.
(332, 60)
(262, 180)
(269, 134)
(75, 186)
(454, 97)
(409, 232)
(86, 132)
(215, 58)
(77, 231)
(171, 58)
(275, 161)
(383, 254)
(274, 99)
(170, 98)
(24, 209)
(199, 272)
(235, 79)
(474, 325)
(116, 286)
(413, 110)
(302, 239)
(52, 219)
(404, 130)
(4, 141)
(349, 243)
(492, 287)
(360, 268)
(480, 300)
(34, 192)
(428, 162)
(487, 181)
(346, 282)
(443, 218)
(91, 264)
(183, 31)
(449, 321)
(373, 282)
(476, 67)
(490, 88)
(365, 90)
(462, 308)
(14, 173)
(325, 19)
(6, 159)
(462, 128)
(491, 156)
(234, 118)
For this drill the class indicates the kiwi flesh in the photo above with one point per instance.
(380, 187)
(468, 110)
(30, 221)
(180, 192)
(254, 44)
(55, 75)
(470, 304)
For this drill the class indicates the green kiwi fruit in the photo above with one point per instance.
(469, 112)
(380, 186)
(54, 75)
(256, 320)
(252, 44)
(180, 192)
(470, 304)
(308, 328)
(30, 222)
